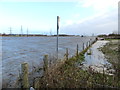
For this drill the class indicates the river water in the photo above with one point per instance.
(16, 50)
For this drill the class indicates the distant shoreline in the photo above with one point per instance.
(40, 35)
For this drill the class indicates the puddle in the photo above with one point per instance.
(96, 60)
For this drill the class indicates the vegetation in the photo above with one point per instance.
(110, 36)
(112, 52)
(70, 75)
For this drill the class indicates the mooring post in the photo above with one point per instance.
(24, 75)
(66, 54)
(77, 51)
(45, 66)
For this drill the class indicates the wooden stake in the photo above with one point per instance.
(77, 51)
(86, 44)
(67, 54)
(89, 43)
(24, 75)
(83, 46)
(36, 83)
(45, 67)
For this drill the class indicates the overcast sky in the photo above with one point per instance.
(77, 17)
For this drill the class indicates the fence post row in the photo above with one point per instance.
(24, 75)
(24, 66)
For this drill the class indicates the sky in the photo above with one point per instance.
(78, 17)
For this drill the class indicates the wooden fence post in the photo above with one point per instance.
(83, 46)
(36, 83)
(66, 54)
(103, 76)
(86, 44)
(24, 75)
(77, 51)
(89, 43)
(45, 67)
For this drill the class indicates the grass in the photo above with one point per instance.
(89, 52)
(112, 52)
(111, 39)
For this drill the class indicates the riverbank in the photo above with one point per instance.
(70, 75)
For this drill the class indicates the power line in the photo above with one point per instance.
(27, 32)
(21, 31)
(50, 31)
(10, 30)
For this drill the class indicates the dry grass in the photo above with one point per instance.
(112, 53)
